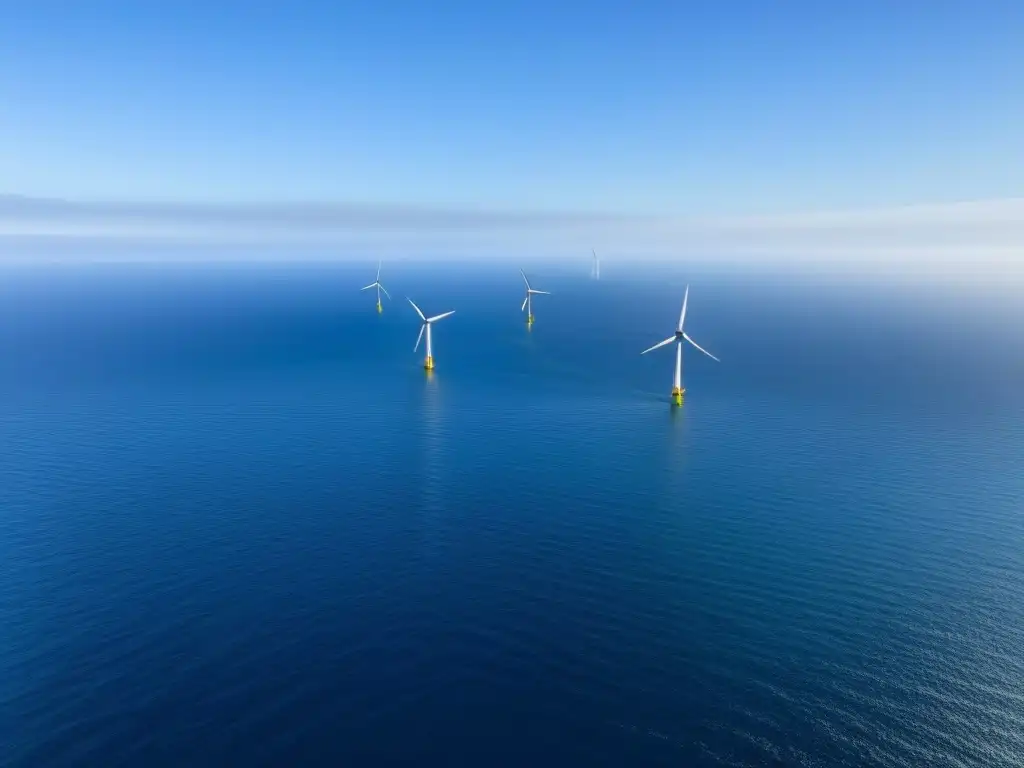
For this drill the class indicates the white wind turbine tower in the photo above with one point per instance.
(428, 363)
(679, 337)
(376, 284)
(595, 271)
(528, 301)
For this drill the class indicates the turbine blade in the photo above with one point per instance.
(524, 279)
(682, 315)
(435, 318)
(546, 293)
(424, 319)
(698, 346)
(367, 287)
(523, 308)
(669, 340)
(378, 271)
(419, 338)
(385, 291)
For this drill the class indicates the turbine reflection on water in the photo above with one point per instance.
(432, 493)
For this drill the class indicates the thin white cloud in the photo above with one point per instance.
(983, 240)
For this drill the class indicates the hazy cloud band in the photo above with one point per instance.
(984, 237)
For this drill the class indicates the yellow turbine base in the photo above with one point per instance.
(529, 319)
(428, 364)
(677, 395)
(380, 308)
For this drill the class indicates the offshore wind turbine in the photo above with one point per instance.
(595, 271)
(679, 337)
(528, 301)
(376, 284)
(428, 363)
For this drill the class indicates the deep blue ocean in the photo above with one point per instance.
(239, 524)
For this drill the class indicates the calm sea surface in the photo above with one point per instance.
(239, 525)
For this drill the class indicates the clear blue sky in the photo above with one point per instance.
(666, 107)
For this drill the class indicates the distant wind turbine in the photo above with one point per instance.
(428, 363)
(376, 284)
(679, 337)
(528, 301)
(595, 271)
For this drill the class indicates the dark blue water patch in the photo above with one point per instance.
(241, 525)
